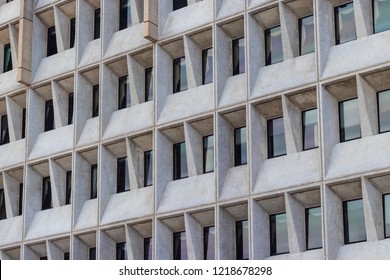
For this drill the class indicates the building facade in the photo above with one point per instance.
(214, 129)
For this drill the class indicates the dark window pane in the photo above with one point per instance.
(354, 225)
(179, 161)
(121, 251)
(124, 14)
(209, 243)
(3, 214)
(47, 202)
(179, 75)
(349, 120)
(68, 187)
(208, 154)
(96, 24)
(7, 63)
(148, 168)
(92, 253)
(178, 4)
(124, 93)
(381, 11)
(95, 101)
(240, 153)
(49, 115)
(24, 123)
(207, 66)
(386, 213)
(148, 245)
(313, 228)
(180, 246)
(306, 35)
(310, 129)
(20, 199)
(70, 108)
(72, 34)
(149, 84)
(4, 137)
(273, 45)
(279, 234)
(123, 183)
(345, 23)
(384, 111)
(51, 41)
(44, 258)
(242, 240)
(238, 46)
(276, 138)
(93, 181)
(66, 256)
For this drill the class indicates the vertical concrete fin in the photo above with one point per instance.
(86, 26)
(83, 104)
(4, 256)
(136, 81)
(224, 150)
(136, 11)
(368, 107)
(164, 77)
(107, 247)
(79, 250)
(11, 195)
(226, 235)
(255, 51)
(107, 179)
(134, 164)
(25, 42)
(260, 232)
(223, 61)
(164, 165)
(53, 252)
(60, 105)
(62, 24)
(35, 117)
(289, 27)
(193, 55)
(325, 31)
(15, 116)
(164, 240)
(58, 183)
(292, 126)
(194, 237)
(33, 196)
(295, 213)
(29, 254)
(194, 143)
(109, 85)
(82, 176)
(13, 36)
(363, 18)
(134, 243)
(110, 21)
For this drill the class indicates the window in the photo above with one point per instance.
(240, 153)
(381, 15)
(70, 108)
(178, 4)
(68, 187)
(278, 234)
(124, 14)
(208, 154)
(72, 34)
(276, 138)
(7, 63)
(148, 168)
(209, 243)
(273, 45)
(47, 202)
(207, 66)
(345, 23)
(122, 183)
(121, 251)
(386, 214)
(384, 111)
(44, 258)
(93, 181)
(51, 41)
(149, 84)
(66, 256)
(313, 228)
(4, 137)
(180, 246)
(92, 253)
(148, 245)
(306, 35)
(179, 75)
(180, 170)
(24, 123)
(242, 240)
(310, 129)
(3, 214)
(349, 120)
(49, 115)
(238, 46)
(124, 93)
(95, 101)
(20, 199)
(96, 25)
(354, 225)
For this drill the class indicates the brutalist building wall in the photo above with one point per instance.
(214, 129)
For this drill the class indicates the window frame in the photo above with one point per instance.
(96, 23)
(300, 33)
(266, 48)
(206, 232)
(269, 137)
(4, 135)
(237, 41)
(205, 54)
(149, 74)
(125, 81)
(124, 23)
(70, 108)
(121, 246)
(95, 100)
(360, 125)
(148, 243)
(273, 247)
(384, 215)
(177, 241)
(51, 35)
(345, 222)
(178, 61)
(337, 40)
(307, 228)
(205, 154)
(3, 209)
(177, 163)
(239, 242)
(378, 111)
(180, 5)
(49, 194)
(303, 130)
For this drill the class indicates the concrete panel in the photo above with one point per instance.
(234, 91)
(12, 153)
(42, 3)
(308, 255)
(256, 3)
(8, 82)
(88, 217)
(9, 11)
(92, 53)
(11, 230)
(365, 251)
(90, 132)
(236, 183)
(225, 8)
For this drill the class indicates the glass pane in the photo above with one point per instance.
(240, 153)
(148, 168)
(51, 41)
(24, 123)
(313, 228)
(349, 120)
(149, 84)
(148, 245)
(70, 108)
(96, 27)
(238, 56)
(179, 75)
(310, 129)
(381, 15)
(121, 251)
(273, 45)
(180, 246)
(179, 161)
(279, 234)
(72, 32)
(124, 14)
(242, 240)
(20, 199)
(4, 137)
(207, 66)
(209, 243)
(7, 63)
(276, 138)
(49, 115)
(93, 181)
(386, 210)
(92, 253)
(178, 4)
(306, 35)
(66, 256)
(345, 23)
(46, 194)
(68, 191)
(124, 93)
(95, 101)
(384, 110)
(123, 183)
(354, 225)
(208, 154)
(2, 205)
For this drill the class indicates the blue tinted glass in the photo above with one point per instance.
(354, 225)
(310, 129)
(313, 228)
(381, 15)
(384, 110)
(306, 35)
(345, 23)
(273, 45)
(276, 138)
(349, 120)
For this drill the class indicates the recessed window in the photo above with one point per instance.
(92, 253)
(124, 14)
(273, 45)
(23, 123)
(148, 168)
(3, 214)
(386, 214)
(381, 15)
(66, 256)
(178, 4)
(310, 129)
(276, 138)
(121, 251)
(208, 154)
(124, 93)
(207, 66)
(384, 111)
(179, 75)
(49, 115)
(242, 240)
(180, 169)
(313, 228)
(149, 84)
(238, 46)
(122, 183)
(306, 35)
(93, 181)
(180, 246)
(44, 258)
(95, 101)
(240, 146)
(209, 243)
(349, 120)
(70, 108)
(279, 234)
(47, 202)
(345, 23)
(354, 225)
(7, 61)
(20, 199)
(96, 24)
(72, 35)
(68, 191)
(51, 41)
(4, 137)
(148, 245)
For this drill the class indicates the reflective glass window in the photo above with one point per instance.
(4, 137)
(121, 251)
(123, 183)
(92, 253)
(68, 191)
(313, 228)
(209, 243)
(178, 4)
(208, 154)
(180, 169)
(345, 23)
(20, 199)
(240, 146)
(306, 35)
(7, 61)
(148, 245)
(3, 212)
(279, 234)
(51, 41)
(95, 101)
(273, 45)
(354, 225)
(207, 66)
(180, 246)
(96, 24)
(148, 168)
(238, 46)
(276, 138)
(47, 202)
(149, 88)
(124, 93)
(349, 120)
(179, 75)
(70, 108)
(386, 214)
(384, 111)
(93, 181)
(124, 14)
(49, 115)
(381, 11)
(242, 240)
(72, 36)
(310, 129)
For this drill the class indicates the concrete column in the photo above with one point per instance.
(260, 232)
(164, 165)
(368, 109)
(223, 60)
(11, 195)
(224, 146)
(136, 81)
(363, 18)
(295, 213)
(134, 242)
(62, 24)
(292, 119)
(193, 55)
(58, 183)
(255, 50)
(85, 17)
(15, 117)
(60, 105)
(194, 233)
(135, 164)
(226, 236)
(164, 241)
(290, 32)
(194, 144)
